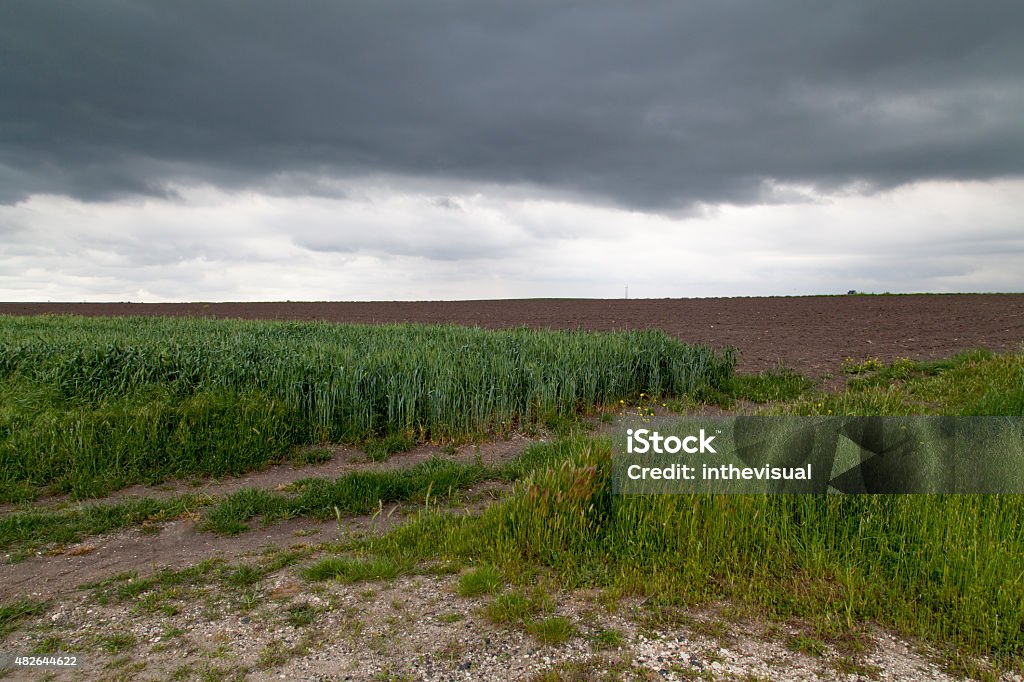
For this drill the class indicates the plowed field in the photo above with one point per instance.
(812, 333)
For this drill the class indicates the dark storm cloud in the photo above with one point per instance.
(648, 105)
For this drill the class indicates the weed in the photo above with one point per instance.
(482, 580)
(273, 654)
(454, 649)
(116, 643)
(249, 599)
(554, 631)
(448, 618)
(351, 570)
(379, 450)
(851, 366)
(609, 639)
(50, 645)
(508, 608)
(806, 644)
(301, 615)
(243, 575)
(851, 667)
(12, 614)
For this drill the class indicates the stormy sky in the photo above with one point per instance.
(261, 150)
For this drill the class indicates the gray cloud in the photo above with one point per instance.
(212, 244)
(648, 105)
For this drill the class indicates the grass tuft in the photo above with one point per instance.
(243, 575)
(380, 449)
(553, 631)
(509, 608)
(481, 580)
(359, 492)
(352, 570)
(12, 614)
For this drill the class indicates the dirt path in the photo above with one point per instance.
(178, 543)
(344, 459)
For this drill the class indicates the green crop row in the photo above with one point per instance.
(91, 404)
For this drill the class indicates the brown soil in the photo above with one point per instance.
(812, 334)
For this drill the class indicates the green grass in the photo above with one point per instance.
(25, 531)
(947, 569)
(359, 492)
(770, 386)
(508, 608)
(969, 384)
(806, 644)
(554, 631)
(944, 568)
(609, 638)
(129, 586)
(514, 607)
(116, 643)
(89, 405)
(362, 492)
(481, 580)
(301, 615)
(12, 614)
(379, 450)
(88, 449)
(351, 570)
(310, 456)
(244, 575)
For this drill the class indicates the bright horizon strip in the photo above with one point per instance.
(406, 243)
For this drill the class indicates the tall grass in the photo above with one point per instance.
(973, 383)
(88, 405)
(945, 568)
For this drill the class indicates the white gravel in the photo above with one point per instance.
(419, 628)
